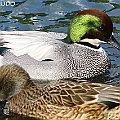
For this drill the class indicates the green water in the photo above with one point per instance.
(55, 15)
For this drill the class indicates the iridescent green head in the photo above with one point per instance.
(83, 24)
(92, 26)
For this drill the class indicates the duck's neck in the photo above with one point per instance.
(69, 41)
(89, 45)
(35, 87)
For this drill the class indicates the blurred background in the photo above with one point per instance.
(51, 15)
(55, 16)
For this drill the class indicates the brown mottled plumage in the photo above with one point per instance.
(68, 99)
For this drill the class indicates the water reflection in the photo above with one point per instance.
(13, 116)
(51, 15)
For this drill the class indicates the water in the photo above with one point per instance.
(55, 15)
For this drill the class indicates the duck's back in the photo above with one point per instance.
(47, 57)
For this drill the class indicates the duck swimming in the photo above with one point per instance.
(51, 56)
(67, 99)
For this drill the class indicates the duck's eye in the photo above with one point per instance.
(101, 28)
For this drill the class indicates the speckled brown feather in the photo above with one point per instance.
(67, 99)
(61, 100)
(15, 82)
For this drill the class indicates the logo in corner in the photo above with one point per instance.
(7, 3)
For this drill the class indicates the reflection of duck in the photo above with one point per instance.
(54, 56)
(71, 99)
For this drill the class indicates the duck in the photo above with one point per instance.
(63, 99)
(51, 55)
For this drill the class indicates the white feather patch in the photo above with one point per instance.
(34, 43)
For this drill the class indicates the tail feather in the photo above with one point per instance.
(110, 93)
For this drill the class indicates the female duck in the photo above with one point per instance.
(50, 56)
(68, 99)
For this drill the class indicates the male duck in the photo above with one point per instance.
(50, 56)
(68, 99)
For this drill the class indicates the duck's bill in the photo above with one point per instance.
(114, 42)
(2, 105)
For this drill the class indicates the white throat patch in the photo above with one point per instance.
(95, 42)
